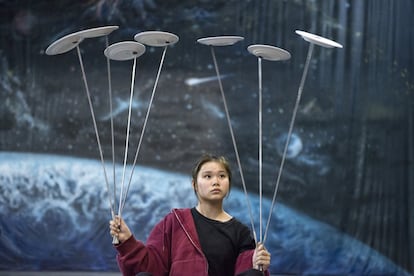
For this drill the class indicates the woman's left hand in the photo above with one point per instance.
(261, 258)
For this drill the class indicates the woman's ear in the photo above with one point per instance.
(194, 185)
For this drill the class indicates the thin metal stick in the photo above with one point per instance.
(292, 122)
(259, 62)
(234, 141)
(127, 137)
(259, 70)
(96, 129)
(145, 123)
(108, 65)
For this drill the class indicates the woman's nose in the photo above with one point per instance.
(216, 180)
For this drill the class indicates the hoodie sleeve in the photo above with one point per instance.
(244, 265)
(134, 256)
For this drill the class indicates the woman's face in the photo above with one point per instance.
(212, 182)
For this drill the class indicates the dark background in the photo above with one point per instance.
(355, 121)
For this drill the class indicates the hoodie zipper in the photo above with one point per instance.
(191, 240)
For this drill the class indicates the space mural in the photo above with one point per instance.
(75, 112)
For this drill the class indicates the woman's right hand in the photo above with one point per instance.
(119, 229)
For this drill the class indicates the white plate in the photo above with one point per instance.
(220, 40)
(268, 52)
(125, 50)
(97, 32)
(156, 38)
(64, 44)
(318, 40)
(70, 41)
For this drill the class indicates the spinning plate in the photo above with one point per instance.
(220, 40)
(156, 38)
(268, 52)
(70, 41)
(124, 50)
(64, 44)
(318, 40)
(97, 32)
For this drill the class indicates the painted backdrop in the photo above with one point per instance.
(345, 199)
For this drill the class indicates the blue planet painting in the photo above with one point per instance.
(55, 212)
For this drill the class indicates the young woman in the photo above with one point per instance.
(203, 240)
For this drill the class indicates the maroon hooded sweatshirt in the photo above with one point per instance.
(172, 249)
